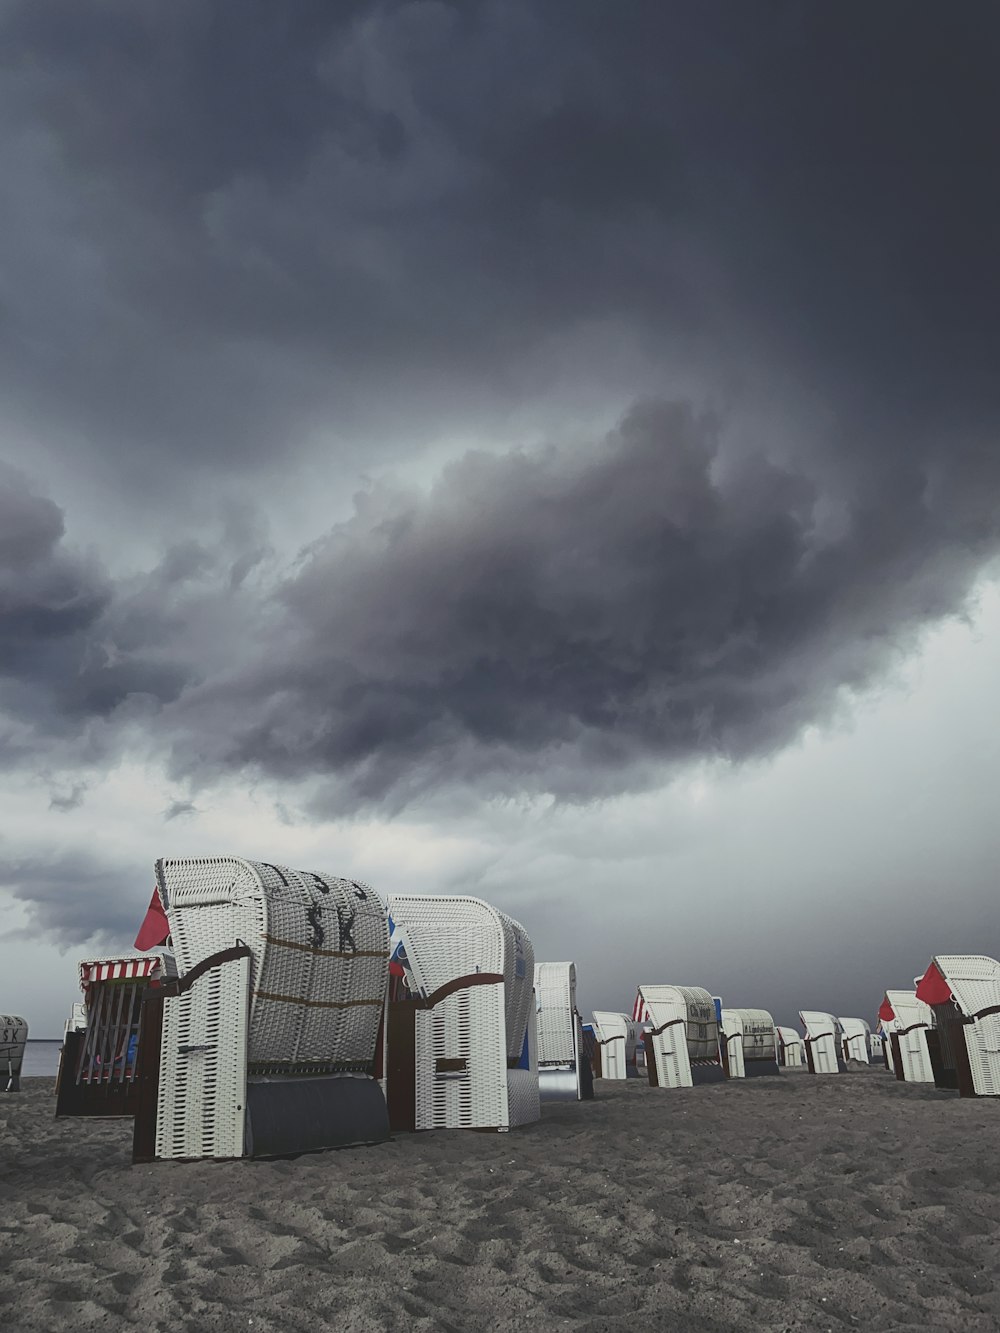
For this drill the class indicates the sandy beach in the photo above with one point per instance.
(785, 1203)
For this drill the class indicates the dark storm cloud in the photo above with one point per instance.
(228, 229)
(557, 620)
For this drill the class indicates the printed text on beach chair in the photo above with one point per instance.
(856, 1033)
(265, 1043)
(790, 1048)
(756, 1052)
(99, 1063)
(964, 992)
(822, 1042)
(616, 1043)
(561, 1059)
(682, 1047)
(461, 1049)
(13, 1039)
(906, 1023)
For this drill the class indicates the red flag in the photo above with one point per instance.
(155, 928)
(885, 1011)
(932, 987)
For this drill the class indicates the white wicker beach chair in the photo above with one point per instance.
(822, 1042)
(462, 1049)
(964, 992)
(13, 1040)
(856, 1036)
(682, 1048)
(561, 1074)
(759, 1042)
(791, 1051)
(269, 1034)
(617, 1037)
(906, 1023)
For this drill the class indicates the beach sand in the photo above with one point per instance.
(793, 1202)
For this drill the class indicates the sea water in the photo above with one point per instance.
(41, 1059)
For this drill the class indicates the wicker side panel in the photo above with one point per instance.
(519, 982)
(555, 984)
(523, 1092)
(460, 1044)
(616, 1034)
(915, 1056)
(461, 1065)
(203, 1059)
(790, 1048)
(667, 1009)
(732, 1040)
(982, 1041)
(855, 1032)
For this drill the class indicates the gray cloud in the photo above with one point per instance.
(71, 800)
(73, 898)
(177, 809)
(557, 620)
(375, 223)
(254, 253)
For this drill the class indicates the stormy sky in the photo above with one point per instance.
(544, 451)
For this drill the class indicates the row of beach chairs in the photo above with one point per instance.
(269, 1011)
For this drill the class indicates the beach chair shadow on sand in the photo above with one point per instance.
(263, 1040)
(682, 1043)
(461, 1030)
(963, 990)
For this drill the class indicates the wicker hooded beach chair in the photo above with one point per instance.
(906, 1024)
(258, 1037)
(564, 1072)
(855, 1039)
(617, 1039)
(682, 1047)
(822, 1042)
(461, 1033)
(791, 1051)
(964, 992)
(13, 1040)
(754, 1051)
(281, 995)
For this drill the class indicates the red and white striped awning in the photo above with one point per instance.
(119, 969)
